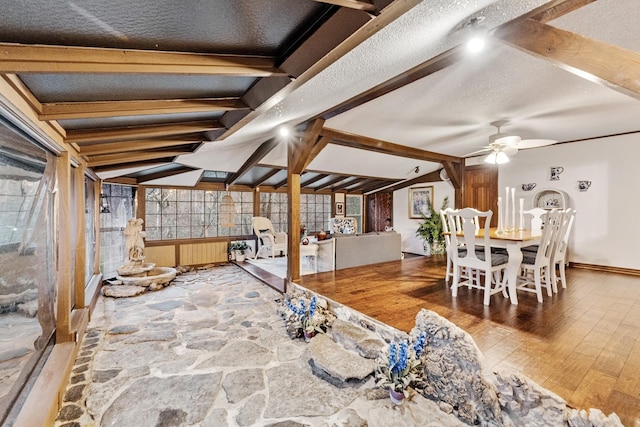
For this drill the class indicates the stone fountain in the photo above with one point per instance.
(136, 276)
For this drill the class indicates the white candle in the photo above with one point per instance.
(513, 208)
(506, 209)
(499, 214)
(521, 214)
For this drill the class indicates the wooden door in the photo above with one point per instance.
(379, 208)
(481, 189)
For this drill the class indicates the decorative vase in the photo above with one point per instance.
(397, 397)
(308, 335)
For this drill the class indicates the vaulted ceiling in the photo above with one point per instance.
(382, 93)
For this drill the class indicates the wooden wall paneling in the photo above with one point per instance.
(80, 237)
(203, 253)
(63, 267)
(163, 256)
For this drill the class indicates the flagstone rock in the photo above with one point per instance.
(208, 346)
(217, 418)
(295, 392)
(151, 336)
(239, 353)
(124, 329)
(241, 384)
(353, 337)
(251, 411)
(164, 397)
(337, 361)
(105, 375)
(166, 305)
(287, 423)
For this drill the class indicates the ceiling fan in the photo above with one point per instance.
(502, 146)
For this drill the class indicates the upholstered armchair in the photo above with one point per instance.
(269, 240)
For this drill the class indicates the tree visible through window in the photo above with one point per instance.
(192, 214)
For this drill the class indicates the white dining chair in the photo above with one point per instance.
(536, 265)
(559, 255)
(477, 254)
(444, 216)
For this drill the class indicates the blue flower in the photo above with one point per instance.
(418, 346)
(403, 357)
(312, 306)
(392, 356)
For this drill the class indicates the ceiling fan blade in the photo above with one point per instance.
(484, 150)
(506, 140)
(510, 150)
(533, 143)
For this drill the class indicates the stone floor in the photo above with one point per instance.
(211, 350)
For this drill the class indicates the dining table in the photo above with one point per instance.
(513, 241)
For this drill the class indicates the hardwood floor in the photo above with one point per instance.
(583, 343)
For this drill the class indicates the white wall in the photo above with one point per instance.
(407, 227)
(607, 224)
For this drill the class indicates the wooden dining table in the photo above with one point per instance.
(513, 242)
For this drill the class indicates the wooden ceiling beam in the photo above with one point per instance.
(384, 147)
(348, 184)
(22, 58)
(351, 4)
(137, 145)
(136, 156)
(314, 179)
(331, 182)
(264, 149)
(366, 182)
(379, 184)
(607, 65)
(555, 9)
(164, 174)
(303, 151)
(84, 110)
(429, 177)
(81, 136)
(265, 177)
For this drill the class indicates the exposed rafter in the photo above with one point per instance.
(314, 179)
(136, 156)
(331, 182)
(429, 177)
(379, 146)
(253, 160)
(599, 62)
(164, 174)
(265, 177)
(352, 4)
(139, 132)
(137, 145)
(83, 110)
(303, 151)
(19, 58)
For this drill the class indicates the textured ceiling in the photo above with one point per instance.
(449, 111)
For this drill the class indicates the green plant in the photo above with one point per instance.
(431, 228)
(238, 246)
(400, 365)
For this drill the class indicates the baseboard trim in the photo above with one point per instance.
(605, 268)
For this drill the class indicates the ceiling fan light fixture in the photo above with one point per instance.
(497, 158)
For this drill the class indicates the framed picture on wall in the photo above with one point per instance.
(420, 198)
(339, 208)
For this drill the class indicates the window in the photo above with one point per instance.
(274, 206)
(120, 200)
(354, 210)
(192, 214)
(90, 231)
(315, 211)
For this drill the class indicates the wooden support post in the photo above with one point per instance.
(63, 225)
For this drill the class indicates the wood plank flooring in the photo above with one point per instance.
(583, 343)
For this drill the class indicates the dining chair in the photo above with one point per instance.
(480, 258)
(444, 215)
(535, 266)
(559, 255)
(269, 239)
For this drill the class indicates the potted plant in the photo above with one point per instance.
(305, 315)
(431, 228)
(400, 365)
(238, 248)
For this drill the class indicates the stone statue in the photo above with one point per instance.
(134, 239)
